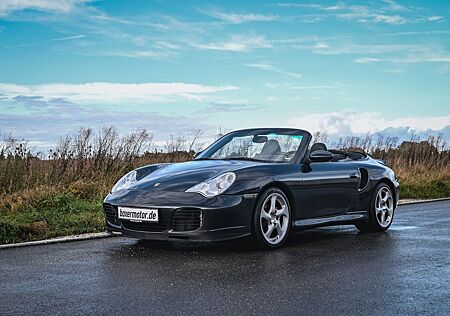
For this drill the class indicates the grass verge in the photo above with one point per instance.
(426, 190)
(51, 216)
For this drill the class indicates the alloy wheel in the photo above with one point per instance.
(384, 206)
(274, 219)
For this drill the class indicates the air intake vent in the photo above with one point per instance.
(186, 219)
(111, 213)
(364, 179)
(144, 226)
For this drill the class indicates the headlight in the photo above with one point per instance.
(125, 182)
(214, 186)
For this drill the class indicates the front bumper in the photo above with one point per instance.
(397, 191)
(182, 215)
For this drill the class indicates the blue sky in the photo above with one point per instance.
(344, 67)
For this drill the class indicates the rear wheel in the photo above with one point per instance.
(381, 211)
(272, 218)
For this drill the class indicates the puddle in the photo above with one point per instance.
(403, 227)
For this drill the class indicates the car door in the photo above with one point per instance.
(329, 188)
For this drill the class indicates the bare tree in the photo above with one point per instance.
(221, 131)
(10, 145)
(175, 144)
(193, 139)
(320, 137)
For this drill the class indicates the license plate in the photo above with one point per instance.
(138, 214)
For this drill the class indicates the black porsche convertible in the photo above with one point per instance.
(262, 182)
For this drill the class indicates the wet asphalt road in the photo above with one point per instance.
(323, 271)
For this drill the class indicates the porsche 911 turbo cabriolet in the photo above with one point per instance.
(263, 182)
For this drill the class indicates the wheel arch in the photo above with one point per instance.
(291, 200)
(391, 186)
(283, 187)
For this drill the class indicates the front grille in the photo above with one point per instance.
(164, 216)
(186, 219)
(111, 213)
(182, 220)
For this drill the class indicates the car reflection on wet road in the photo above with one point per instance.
(323, 271)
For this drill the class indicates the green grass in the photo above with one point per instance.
(51, 216)
(425, 190)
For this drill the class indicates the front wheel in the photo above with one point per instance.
(381, 210)
(272, 218)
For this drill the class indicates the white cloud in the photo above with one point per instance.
(394, 70)
(389, 19)
(238, 18)
(431, 57)
(227, 107)
(393, 6)
(57, 6)
(336, 85)
(349, 121)
(315, 6)
(56, 118)
(151, 54)
(411, 33)
(112, 92)
(436, 18)
(371, 53)
(269, 67)
(338, 46)
(236, 43)
(358, 13)
(366, 60)
(103, 17)
(409, 59)
(67, 38)
(364, 16)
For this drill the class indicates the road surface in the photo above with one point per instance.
(324, 271)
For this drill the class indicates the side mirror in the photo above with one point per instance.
(197, 154)
(320, 156)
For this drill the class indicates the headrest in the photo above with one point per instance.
(271, 147)
(318, 146)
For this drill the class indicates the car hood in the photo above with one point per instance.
(182, 176)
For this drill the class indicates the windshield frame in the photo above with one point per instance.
(306, 138)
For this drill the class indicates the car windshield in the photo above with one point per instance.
(257, 145)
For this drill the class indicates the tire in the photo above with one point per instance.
(381, 210)
(272, 219)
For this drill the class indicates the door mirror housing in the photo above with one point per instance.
(320, 156)
(197, 153)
